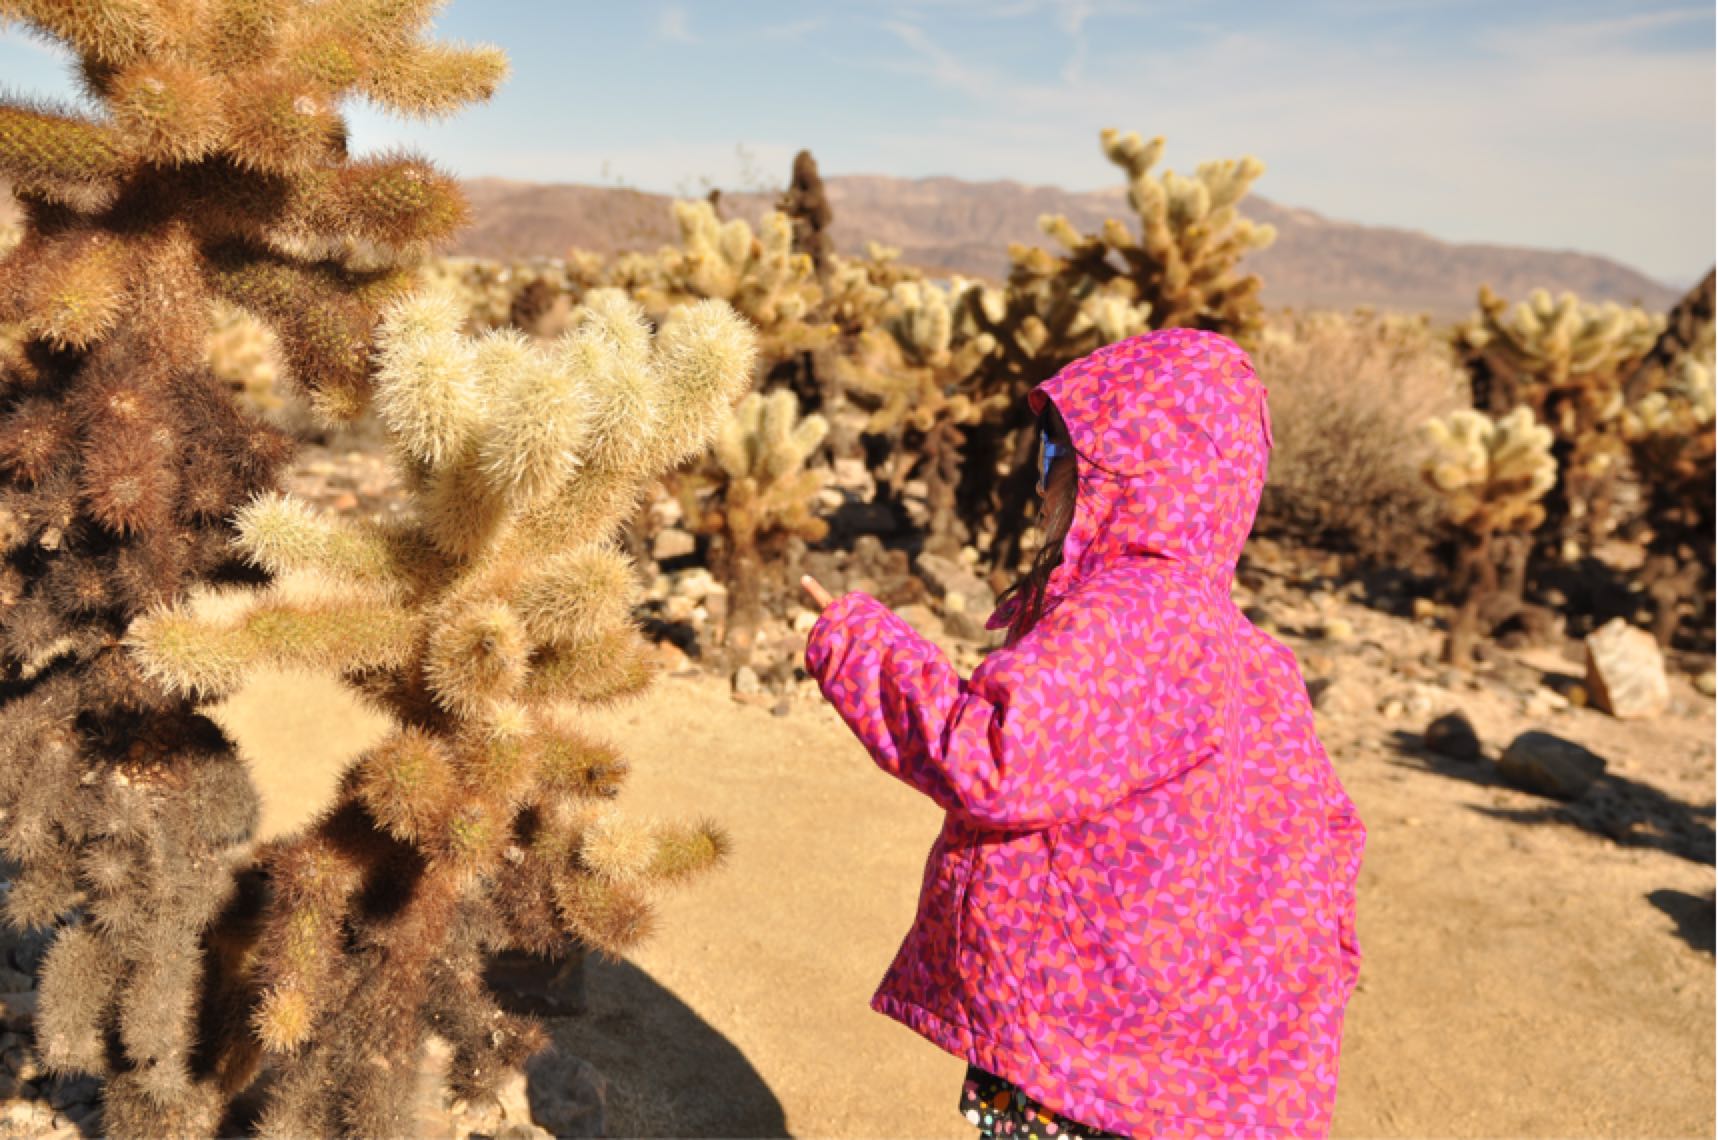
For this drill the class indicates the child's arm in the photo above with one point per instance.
(1082, 712)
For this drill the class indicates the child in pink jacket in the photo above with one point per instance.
(1139, 914)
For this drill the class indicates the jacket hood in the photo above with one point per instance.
(1172, 436)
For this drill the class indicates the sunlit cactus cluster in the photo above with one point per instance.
(483, 822)
(1567, 360)
(757, 494)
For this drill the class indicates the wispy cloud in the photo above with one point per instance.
(674, 24)
(791, 30)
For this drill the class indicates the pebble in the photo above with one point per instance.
(1336, 629)
(1704, 683)
(745, 681)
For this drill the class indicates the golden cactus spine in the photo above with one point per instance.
(477, 623)
(213, 170)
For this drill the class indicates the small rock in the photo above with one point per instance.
(1549, 765)
(1336, 629)
(568, 1096)
(831, 499)
(695, 583)
(1339, 696)
(1704, 683)
(678, 608)
(716, 602)
(672, 658)
(344, 501)
(961, 624)
(782, 707)
(745, 681)
(852, 475)
(1392, 707)
(1625, 671)
(803, 620)
(947, 577)
(1541, 701)
(1452, 735)
(672, 543)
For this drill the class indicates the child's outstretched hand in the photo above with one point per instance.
(815, 588)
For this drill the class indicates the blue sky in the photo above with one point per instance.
(1569, 125)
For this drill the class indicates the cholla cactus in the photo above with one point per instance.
(1669, 433)
(806, 205)
(1179, 270)
(1493, 476)
(214, 169)
(759, 274)
(762, 494)
(909, 371)
(535, 296)
(1567, 361)
(481, 823)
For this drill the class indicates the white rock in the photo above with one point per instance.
(1625, 671)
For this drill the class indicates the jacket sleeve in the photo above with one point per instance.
(1098, 702)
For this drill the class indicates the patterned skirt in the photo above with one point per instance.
(1001, 1111)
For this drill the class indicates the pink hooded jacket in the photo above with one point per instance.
(1140, 908)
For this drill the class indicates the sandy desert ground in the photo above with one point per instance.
(1526, 973)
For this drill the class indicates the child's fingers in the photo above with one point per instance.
(815, 588)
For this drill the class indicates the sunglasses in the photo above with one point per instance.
(1048, 451)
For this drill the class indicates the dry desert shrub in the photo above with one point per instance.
(1348, 392)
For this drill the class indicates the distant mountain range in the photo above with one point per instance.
(948, 225)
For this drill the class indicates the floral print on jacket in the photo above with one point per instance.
(1141, 906)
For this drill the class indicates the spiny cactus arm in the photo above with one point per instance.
(573, 766)
(477, 654)
(78, 979)
(704, 354)
(60, 157)
(408, 784)
(539, 418)
(208, 658)
(399, 202)
(579, 595)
(487, 1043)
(611, 918)
(324, 315)
(281, 534)
(617, 665)
(431, 80)
(682, 851)
(68, 289)
(426, 384)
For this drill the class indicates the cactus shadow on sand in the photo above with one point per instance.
(668, 1071)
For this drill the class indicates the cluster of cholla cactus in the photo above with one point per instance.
(1669, 432)
(536, 296)
(215, 170)
(1568, 362)
(1178, 270)
(757, 272)
(483, 822)
(908, 370)
(1492, 475)
(755, 495)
